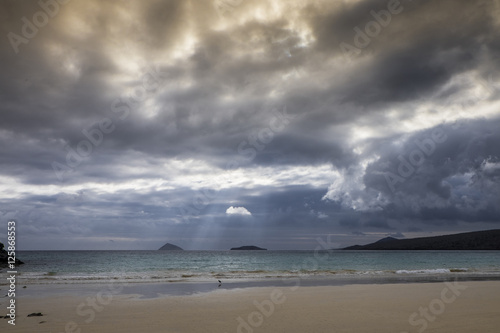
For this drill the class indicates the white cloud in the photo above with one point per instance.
(238, 211)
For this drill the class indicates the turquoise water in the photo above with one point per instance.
(174, 266)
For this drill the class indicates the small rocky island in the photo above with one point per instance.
(248, 248)
(170, 247)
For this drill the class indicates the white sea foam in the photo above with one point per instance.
(424, 271)
(68, 267)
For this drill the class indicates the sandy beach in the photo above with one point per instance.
(416, 307)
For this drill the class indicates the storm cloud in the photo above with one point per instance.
(146, 122)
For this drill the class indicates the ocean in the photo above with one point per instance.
(67, 267)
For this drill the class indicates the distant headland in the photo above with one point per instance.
(248, 248)
(4, 258)
(478, 240)
(170, 247)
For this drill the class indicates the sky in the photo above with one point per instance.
(286, 124)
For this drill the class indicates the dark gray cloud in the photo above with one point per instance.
(454, 178)
(144, 122)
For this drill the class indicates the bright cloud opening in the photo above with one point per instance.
(238, 211)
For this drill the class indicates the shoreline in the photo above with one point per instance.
(410, 307)
(260, 278)
(158, 289)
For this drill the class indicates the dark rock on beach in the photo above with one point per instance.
(35, 314)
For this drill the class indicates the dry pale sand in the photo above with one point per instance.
(432, 307)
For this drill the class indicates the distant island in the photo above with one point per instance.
(170, 247)
(478, 240)
(248, 248)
